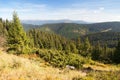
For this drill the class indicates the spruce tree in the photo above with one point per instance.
(1, 28)
(87, 45)
(0, 19)
(117, 54)
(96, 52)
(87, 48)
(73, 48)
(79, 45)
(17, 39)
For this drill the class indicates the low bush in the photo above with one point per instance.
(61, 59)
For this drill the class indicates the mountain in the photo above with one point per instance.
(41, 22)
(29, 26)
(73, 30)
(68, 30)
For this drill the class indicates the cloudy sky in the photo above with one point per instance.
(87, 10)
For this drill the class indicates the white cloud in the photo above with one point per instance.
(6, 9)
(74, 14)
(22, 9)
(101, 8)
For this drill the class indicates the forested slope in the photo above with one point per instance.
(105, 38)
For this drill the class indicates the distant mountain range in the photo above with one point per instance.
(72, 30)
(102, 32)
(41, 22)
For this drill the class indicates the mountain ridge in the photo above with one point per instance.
(41, 22)
(73, 30)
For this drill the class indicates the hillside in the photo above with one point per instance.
(109, 38)
(69, 30)
(14, 67)
(31, 67)
(29, 26)
(73, 30)
(100, 27)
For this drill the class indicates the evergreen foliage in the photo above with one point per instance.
(117, 54)
(61, 59)
(109, 38)
(103, 54)
(45, 40)
(17, 39)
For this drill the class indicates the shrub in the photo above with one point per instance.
(61, 59)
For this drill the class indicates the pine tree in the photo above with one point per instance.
(73, 48)
(79, 45)
(1, 28)
(67, 48)
(2, 33)
(96, 53)
(117, 54)
(17, 39)
(87, 48)
(87, 45)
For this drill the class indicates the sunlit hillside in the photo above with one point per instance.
(14, 67)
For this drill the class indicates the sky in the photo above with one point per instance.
(86, 10)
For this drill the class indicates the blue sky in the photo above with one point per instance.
(87, 10)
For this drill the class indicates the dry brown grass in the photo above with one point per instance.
(102, 67)
(30, 67)
(19, 68)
